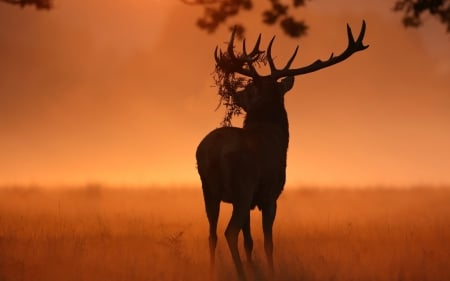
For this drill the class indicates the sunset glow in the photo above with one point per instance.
(120, 93)
(104, 103)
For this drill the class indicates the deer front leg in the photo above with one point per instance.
(268, 216)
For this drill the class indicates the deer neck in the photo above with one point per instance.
(271, 122)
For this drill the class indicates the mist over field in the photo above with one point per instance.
(120, 93)
(96, 233)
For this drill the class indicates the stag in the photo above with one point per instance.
(246, 166)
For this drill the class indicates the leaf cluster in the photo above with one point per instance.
(414, 9)
(217, 12)
(39, 4)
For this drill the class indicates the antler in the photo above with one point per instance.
(352, 47)
(243, 63)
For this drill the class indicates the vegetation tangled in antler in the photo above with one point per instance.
(228, 82)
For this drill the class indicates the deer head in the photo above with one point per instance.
(272, 87)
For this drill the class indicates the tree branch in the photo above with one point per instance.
(39, 4)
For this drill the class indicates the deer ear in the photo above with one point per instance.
(287, 83)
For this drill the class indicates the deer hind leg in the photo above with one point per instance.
(268, 216)
(248, 241)
(237, 221)
(212, 212)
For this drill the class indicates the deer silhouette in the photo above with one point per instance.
(246, 166)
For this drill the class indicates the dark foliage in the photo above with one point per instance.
(227, 84)
(217, 12)
(39, 4)
(414, 9)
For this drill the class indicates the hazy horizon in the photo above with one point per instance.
(119, 93)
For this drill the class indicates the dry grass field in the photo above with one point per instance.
(105, 234)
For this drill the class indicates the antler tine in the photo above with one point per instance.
(215, 54)
(361, 34)
(254, 54)
(273, 69)
(288, 64)
(350, 34)
(252, 57)
(352, 47)
(231, 45)
(358, 42)
(255, 50)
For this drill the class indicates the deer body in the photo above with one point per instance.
(229, 157)
(247, 166)
(255, 155)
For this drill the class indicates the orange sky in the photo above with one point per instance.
(119, 92)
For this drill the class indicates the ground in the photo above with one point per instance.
(98, 233)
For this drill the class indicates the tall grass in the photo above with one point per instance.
(126, 234)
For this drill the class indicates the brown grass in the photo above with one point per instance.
(125, 234)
